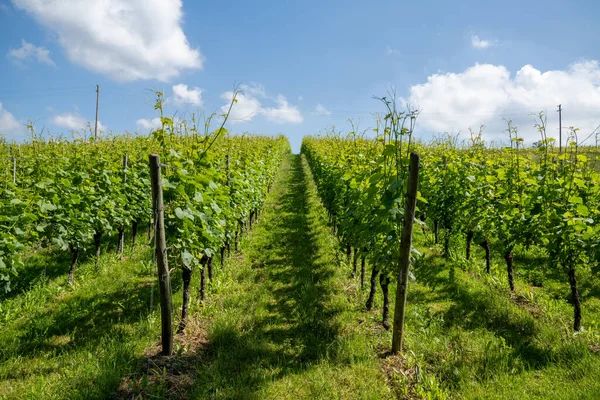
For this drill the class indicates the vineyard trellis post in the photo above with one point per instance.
(559, 128)
(164, 281)
(14, 170)
(405, 250)
(97, 103)
(228, 182)
(121, 241)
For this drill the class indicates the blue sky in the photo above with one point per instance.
(305, 65)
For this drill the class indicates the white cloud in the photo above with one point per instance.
(244, 110)
(7, 121)
(70, 121)
(248, 106)
(255, 90)
(478, 43)
(183, 95)
(148, 124)
(392, 52)
(283, 113)
(321, 110)
(74, 122)
(28, 51)
(127, 40)
(485, 94)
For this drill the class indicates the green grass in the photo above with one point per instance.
(284, 326)
(284, 320)
(473, 339)
(63, 342)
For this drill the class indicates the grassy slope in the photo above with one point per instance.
(284, 320)
(474, 340)
(62, 342)
(283, 325)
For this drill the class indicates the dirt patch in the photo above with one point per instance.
(527, 304)
(401, 378)
(167, 377)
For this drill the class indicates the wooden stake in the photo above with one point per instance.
(164, 281)
(14, 171)
(97, 102)
(405, 249)
(121, 235)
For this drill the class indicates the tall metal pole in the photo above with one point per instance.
(97, 101)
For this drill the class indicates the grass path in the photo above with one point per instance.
(284, 326)
(284, 320)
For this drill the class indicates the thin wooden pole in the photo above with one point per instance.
(560, 128)
(121, 229)
(14, 170)
(97, 102)
(125, 169)
(164, 281)
(405, 249)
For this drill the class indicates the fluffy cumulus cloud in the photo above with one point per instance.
(148, 124)
(249, 106)
(320, 110)
(28, 52)
(7, 121)
(478, 43)
(284, 113)
(183, 95)
(244, 110)
(74, 122)
(126, 40)
(487, 94)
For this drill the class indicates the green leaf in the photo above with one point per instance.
(583, 210)
(575, 200)
(187, 258)
(45, 207)
(389, 150)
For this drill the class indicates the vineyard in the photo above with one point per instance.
(269, 275)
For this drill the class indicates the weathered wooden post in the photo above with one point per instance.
(164, 281)
(405, 249)
(121, 229)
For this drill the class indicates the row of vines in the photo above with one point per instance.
(77, 195)
(498, 198)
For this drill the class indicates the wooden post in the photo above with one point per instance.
(14, 170)
(560, 128)
(405, 249)
(125, 169)
(97, 101)
(227, 243)
(227, 169)
(166, 302)
(121, 229)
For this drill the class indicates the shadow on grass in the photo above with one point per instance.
(475, 306)
(49, 263)
(41, 264)
(82, 319)
(294, 328)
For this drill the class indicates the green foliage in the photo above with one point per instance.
(66, 192)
